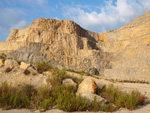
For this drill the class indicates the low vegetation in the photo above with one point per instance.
(64, 96)
(121, 99)
(3, 56)
(79, 72)
(43, 66)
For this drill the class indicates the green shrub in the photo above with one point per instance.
(74, 71)
(45, 104)
(43, 66)
(20, 100)
(95, 105)
(5, 93)
(139, 97)
(131, 102)
(107, 107)
(110, 93)
(28, 90)
(69, 102)
(121, 99)
(3, 56)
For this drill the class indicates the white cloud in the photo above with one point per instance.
(9, 17)
(110, 16)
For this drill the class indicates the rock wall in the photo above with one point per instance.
(121, 54)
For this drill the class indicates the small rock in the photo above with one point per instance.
(11, 63)
(91, 97)
(1, 62)
(24, 65)
(8, 69)
(48, 73)
(69, 81)
(93, 71)
(32, 70)
(45, 82)
(87, 85)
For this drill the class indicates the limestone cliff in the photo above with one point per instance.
(121, 54)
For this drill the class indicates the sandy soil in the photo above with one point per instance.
(143, 109)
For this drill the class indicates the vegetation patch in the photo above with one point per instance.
(79, 72)
(43, 66)
(3, 56)
(64, 96)
(121, 99)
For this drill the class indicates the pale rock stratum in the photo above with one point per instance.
(122, 54)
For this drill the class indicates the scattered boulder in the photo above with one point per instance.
(93, 71)
(48, 73)
(91, 97)
(32, 70)
(69, 81)
(87, 85)
(11, 63)
(24, 65)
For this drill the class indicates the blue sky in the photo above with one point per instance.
(94, 15)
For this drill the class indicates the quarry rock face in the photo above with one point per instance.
(121, 54)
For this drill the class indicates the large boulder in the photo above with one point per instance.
(88, 85)
(11, 63)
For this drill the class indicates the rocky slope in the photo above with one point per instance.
(121, 54)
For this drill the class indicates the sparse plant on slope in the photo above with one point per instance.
(3, 56)
(43, 66)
